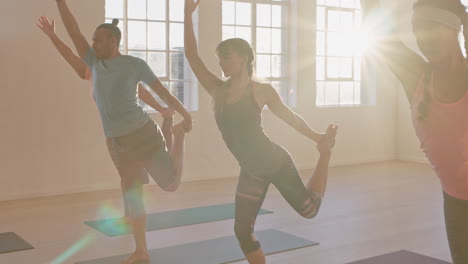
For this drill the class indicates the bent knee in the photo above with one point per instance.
(247, 240)
(311, 208)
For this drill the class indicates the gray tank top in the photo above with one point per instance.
(241, 127)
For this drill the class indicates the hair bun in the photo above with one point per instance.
(115, 21)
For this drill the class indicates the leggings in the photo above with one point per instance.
(456, 224)
(251, 191)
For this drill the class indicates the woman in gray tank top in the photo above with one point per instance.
(238, 105)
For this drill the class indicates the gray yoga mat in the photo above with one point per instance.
(216, 251)
(11, 242)
(171, 219)
(401, 257)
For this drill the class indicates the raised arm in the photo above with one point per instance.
(402, 61)
(74, 61)
(73, 29)
(283, 112)
(207, 79)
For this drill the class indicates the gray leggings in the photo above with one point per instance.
(456, 223)
(251, 191)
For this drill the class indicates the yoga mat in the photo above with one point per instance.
(11, 242)
(401, 257)
(171, 219)
(215, 251)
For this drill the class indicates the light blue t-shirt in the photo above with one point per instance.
(115, 83)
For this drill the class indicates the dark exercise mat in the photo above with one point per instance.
(171, 219)
(11, 242)
(401, 257)
(215, 251)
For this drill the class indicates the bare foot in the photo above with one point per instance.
(137, 258)
(326, 144)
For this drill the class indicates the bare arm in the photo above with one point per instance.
(148, 98)
(73, 29)
(207, 79)
(74, 61)
(172, 102)
(402, 61)
(283, 112)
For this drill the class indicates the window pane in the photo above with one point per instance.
(229, 12)
(177, 66)
(176, 9)
(278, 66)
(320, 68)
(244, 33)
(177, 89)
(277, 41)
(347, 93)
(156, 35)
(321, 43)
(333, 67)
(357, 92)
(114, 8)
(263, 40)
(177, 36)
(334, 44)
(331, 93)
(320, 93)
(136, 35)
(320, 18)
(348, 3)
(333, 3)
(136, 9)
(277, 15)
(346, 68)
(263, 66)
(263, 15)
(228, 32)
(157, 62)
(243, 14)
(333, 20)
(357, 68)
(157, 9)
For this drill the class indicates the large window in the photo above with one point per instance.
(264, 24)
(153, 30)
(339, 48)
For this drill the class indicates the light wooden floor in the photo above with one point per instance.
(369, 210)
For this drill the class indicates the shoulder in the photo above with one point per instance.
(264, 90)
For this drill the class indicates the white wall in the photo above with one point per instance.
(51, 138)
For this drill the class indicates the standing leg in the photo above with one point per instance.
(456, 224)
(250, 195)
(132, 188)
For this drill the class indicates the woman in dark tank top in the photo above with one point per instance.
(238, 105)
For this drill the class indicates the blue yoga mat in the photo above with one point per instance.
(171, 219)
(216, 251)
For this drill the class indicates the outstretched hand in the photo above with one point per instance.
(46, 27)
(191, 6)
